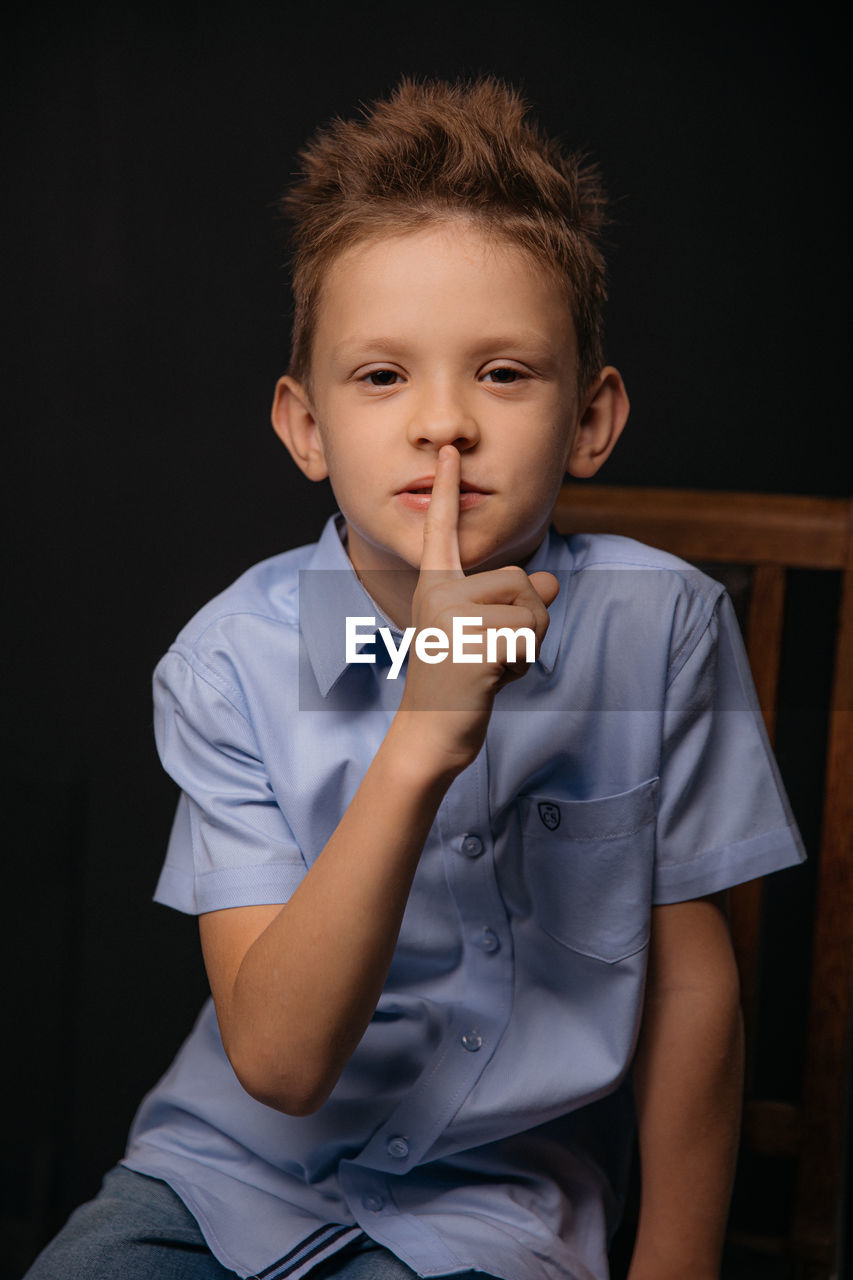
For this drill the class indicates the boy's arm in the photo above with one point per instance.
(296, 985)
(688, 1075)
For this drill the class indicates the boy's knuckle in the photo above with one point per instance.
(431, 596)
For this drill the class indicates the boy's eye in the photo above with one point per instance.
(504, 376)
(381, 377)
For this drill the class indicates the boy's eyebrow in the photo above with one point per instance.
(352, 347)
(528, 341)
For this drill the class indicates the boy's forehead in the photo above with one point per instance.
(457, 242)
(485, 289)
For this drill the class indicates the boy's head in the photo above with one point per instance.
(448, 291)
(435, 151)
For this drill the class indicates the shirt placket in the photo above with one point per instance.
(476, 1023)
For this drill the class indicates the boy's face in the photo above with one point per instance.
(440, 336)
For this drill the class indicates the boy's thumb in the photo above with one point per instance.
(545, 585)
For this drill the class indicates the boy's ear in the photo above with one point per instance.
(601, 424)
(295, 424)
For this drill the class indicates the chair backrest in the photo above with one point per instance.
(772, 534)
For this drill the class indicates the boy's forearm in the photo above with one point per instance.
(308, 986)
(688, 1077)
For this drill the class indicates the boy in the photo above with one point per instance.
(448, 895)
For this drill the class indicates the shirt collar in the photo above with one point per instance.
(553, 554)
(330, 592)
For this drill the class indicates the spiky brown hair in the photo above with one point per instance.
(435, 150)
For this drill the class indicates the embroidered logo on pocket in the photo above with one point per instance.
(550, 815)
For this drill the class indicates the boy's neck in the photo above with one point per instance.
(392, 590)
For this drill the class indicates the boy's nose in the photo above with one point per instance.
(443, 420)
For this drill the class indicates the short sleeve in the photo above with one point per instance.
(230, 843)
(723, 816)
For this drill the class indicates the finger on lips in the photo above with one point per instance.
(441, 528)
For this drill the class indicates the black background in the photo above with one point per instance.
(147, 321)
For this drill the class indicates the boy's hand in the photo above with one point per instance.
(457, 697)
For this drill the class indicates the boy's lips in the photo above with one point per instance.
(417, 494)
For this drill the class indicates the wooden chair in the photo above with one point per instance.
(772, 534)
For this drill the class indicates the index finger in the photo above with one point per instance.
(441, 526)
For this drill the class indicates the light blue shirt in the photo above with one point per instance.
(483, 1120)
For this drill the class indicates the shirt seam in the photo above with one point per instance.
(236, 613)
(214, 680)
(718, 850)
(553, 837)
(710, 601)
(418, 1225)
(197, 876)
(683, 654)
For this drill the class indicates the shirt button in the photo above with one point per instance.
(472, 1041)
(374, 1203)
(398, 1148)
(487, 940)
(472, 846)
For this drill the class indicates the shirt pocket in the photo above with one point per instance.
(589, 866)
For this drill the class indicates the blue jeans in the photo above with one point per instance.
(137, 1228)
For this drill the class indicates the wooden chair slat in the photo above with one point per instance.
(816, 1222)
(751, 528)
(764, 637)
